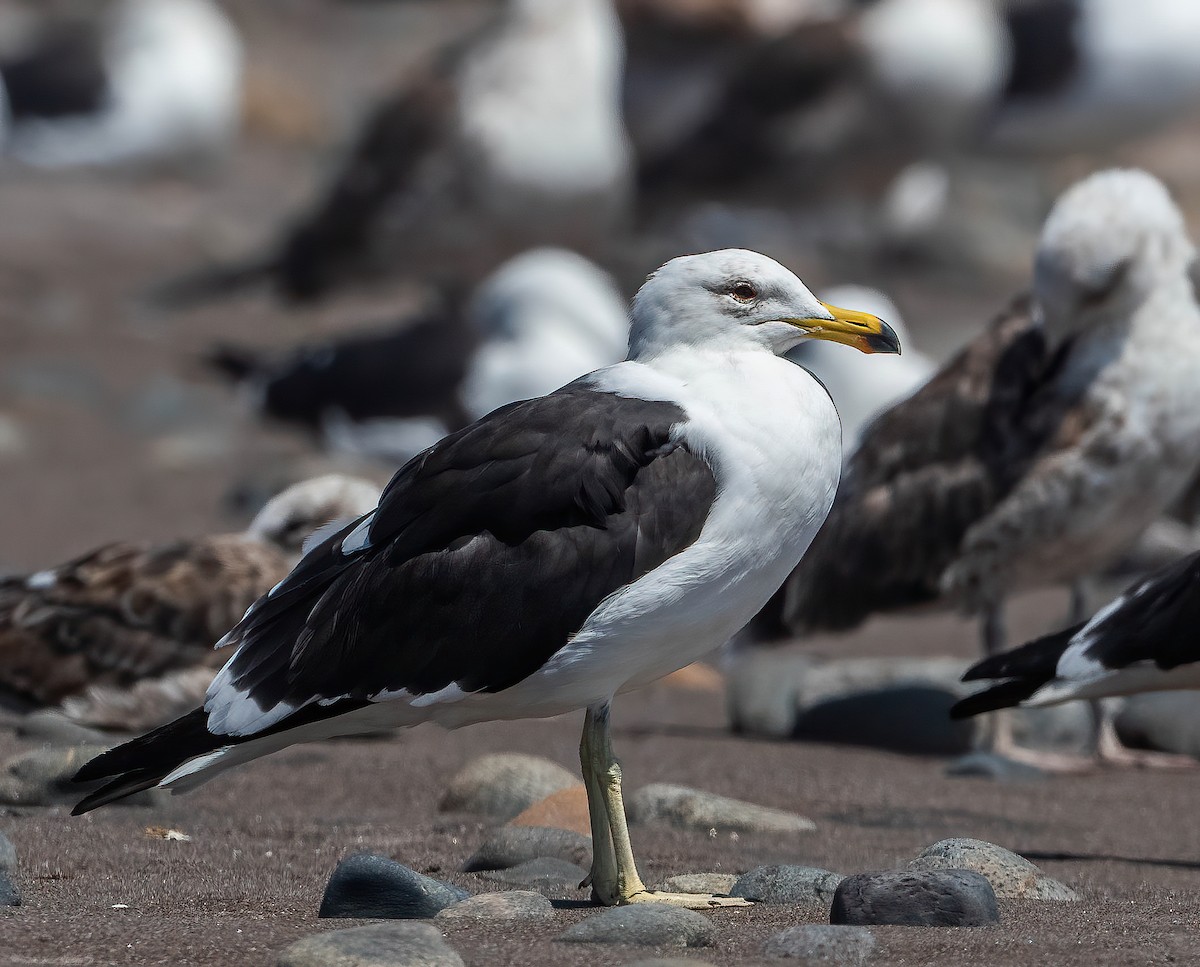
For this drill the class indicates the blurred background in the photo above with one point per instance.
(912, 145)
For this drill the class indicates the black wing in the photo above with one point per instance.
(486, 554)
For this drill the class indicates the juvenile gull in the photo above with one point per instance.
(553, 554)
(126, 631)
(1041, 452)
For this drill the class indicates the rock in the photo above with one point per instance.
(375, 945)
(8, 854)
(646, 925)
(670, 962)
(1011, 875)
(805, 885)
(510, 846)
(509, 905)
(542, 874)
(686, 808)
(565, 809)
(10, 896)
(1162, 721)
(50, 725)
(366, 885)
(820, 943)
(42, 777)
(910, 898)
(988, 765)
(716, 883)
(504, 784)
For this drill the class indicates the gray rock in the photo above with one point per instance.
(375, 945)
(543, 873)
(509, 905)
(686, 808)
(988, 765)
(805, 885)
(366, 885)
(504, 784)
(717, 883)
(1162, 721)
(510, 846)
(820, 943)
(10, 896)
(910, 898)
(1010, 875)
(8, 854)
(50, 725)
(670, 962)
(42, 777)
(646, 925)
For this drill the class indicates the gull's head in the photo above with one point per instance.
(736, 300)
(1109, 243)
(289, 517)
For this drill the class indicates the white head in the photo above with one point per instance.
(293, 514)
(1110, 242)
(736, 300)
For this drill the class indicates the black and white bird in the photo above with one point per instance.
(1143, 641)
(1043, 450)
(539, 321)
(553, 554)
(512, 138)
(144, 81)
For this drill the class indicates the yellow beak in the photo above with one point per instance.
(863, 331)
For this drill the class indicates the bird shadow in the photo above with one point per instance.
(1044, 855)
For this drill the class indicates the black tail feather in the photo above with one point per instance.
(1005, 695)
(1026, 669)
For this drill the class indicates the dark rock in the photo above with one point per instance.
(543, 873)
(504, 784)
(375, 945)
(931, 898)
(988, 765)
(789, 884)
(819, 943)
(8, 854)
(696, 809)
(869, 718)
(366, 885)
(10, 896)
(509, 905)
(644, 924)
(510, 846)
(1011, 875)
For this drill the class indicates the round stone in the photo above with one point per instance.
(686, 808)
(1011, 875)
(510, 846)
(504, 784)
(802, 885)
(644, 924)
(820, 943)
(915, 898)
(509, 905)
(366, 885)
(375, 945)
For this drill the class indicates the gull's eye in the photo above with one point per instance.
(743, 291)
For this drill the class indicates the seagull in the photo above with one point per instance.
(1038, 454)
(542, 319)
(512, 137)
(1143, 641)
(861, 393)
(149, 81)
(551, 555)
(122, 630)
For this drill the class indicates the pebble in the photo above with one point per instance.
(805, 885)
(686, 808)
(509, 905)
(543, 873)
(504, 784)
(42, 777)
(375, 945)
(1011, 875)
(511, 846)
(716, 883)
(911, 898)
(367, 885)
(645, 925)
(8, 854)
(565, 809)
(820, 943)
(10, 896)
(52, 726)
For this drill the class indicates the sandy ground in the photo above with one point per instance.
(110, 429)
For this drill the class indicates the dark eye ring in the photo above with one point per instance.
(743, 292)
